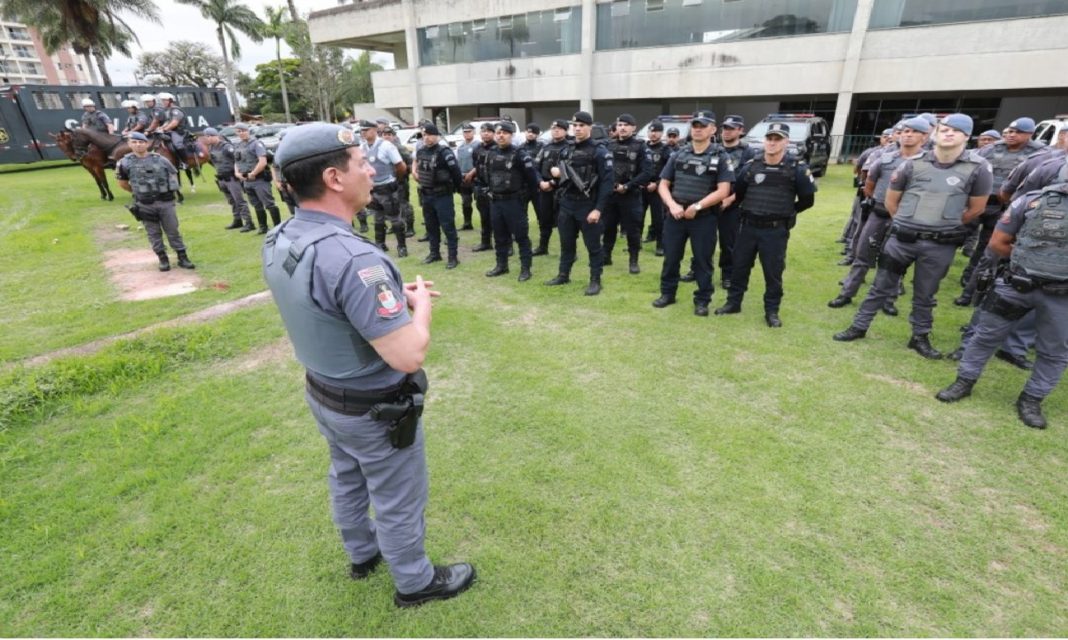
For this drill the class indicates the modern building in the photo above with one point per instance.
(859, 63)
(23, 60)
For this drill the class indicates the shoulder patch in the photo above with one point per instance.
(373, 275)
(387, 305)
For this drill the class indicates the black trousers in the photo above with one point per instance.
(652, 200)
(510, 221)
(485, 221)
(439, 214)
(729, 222)
(625, 210)
(701, 233)
(467, 195)
(572, 220)
(770, 246)
(547, 215)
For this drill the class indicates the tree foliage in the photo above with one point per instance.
(182, 63)
(263, 92)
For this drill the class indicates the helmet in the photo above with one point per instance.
(86, 102)
(129, 103)
(148, 97)
(163, 95)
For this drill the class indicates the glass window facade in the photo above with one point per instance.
(624, 24)
(538, 33)
(889, 14)
(872, 116)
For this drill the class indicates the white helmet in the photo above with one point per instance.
(86, 102)
(148, 97)
(129, 103)
(163, 95)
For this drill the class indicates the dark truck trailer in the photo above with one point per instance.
(29, 112)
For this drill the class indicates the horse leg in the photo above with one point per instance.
(189, 174)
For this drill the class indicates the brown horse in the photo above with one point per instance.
(93, 160)
(115, 147)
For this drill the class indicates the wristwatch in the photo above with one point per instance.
(697, 207)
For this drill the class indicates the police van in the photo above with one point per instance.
(1047, 130)
(29, 112)
(809, 138)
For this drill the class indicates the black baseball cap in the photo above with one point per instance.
(704, 116)
(431, 129)
(734, 122)
(505, 125)
(780, 129)
(467, 126)
(656, 125)
(673, 131)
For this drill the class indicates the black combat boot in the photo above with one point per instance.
(184, 262)
(850, 334)
(839, 302)
(1029, 408)
(634, 270)
(728, 308)
(164, 261)
(689, 276)
(890, 309)
(248, 226)
(448, 582)
(541, 250)
(607, 259)
(402, 251)
(594, 287)
(664, 300)
(921, 344)
(524, 274)
(276, 216)
(499, 270)
(362, 570)
(433, 256)
(960, 389)
(561, 278)
(236, 224)
(261, 218)
(453, 261)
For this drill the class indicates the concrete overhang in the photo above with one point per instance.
(376, 25)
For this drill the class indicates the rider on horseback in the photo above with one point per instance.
(136, 121)
(173, 122)
(93, 120)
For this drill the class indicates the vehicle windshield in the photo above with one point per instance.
(798, 131)
(270, 130)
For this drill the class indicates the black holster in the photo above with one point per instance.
(1000, 306)
(135, 211)
(403, 413)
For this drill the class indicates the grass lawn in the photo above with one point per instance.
(610, 468)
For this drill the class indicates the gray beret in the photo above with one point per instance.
(918, 124)
(312, 140)
(137, 135)
(960, 122)
(242, 125)
(210, 131)
(993, 133)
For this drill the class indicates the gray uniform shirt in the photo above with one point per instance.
(383, 156)
(979, 183)
(1044, 175)
(465, 155)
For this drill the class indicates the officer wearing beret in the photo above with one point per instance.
(547, 158)
(438, 175)
(694, 182)
(251, 169)
(771, 190)
(224, 160)
(987, 138)
(512, 177)
(385, 199)
(931, 200)
(584, 179)
(633, 171)
(658, 152)
(362, 335)
(465, 153)
(153, 181)
(1031, 234)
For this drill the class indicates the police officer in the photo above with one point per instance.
(584, 179)
(465, 158)
(771, 190)
(547, 158)
(860, 164)
(439, 177)
(673, 139)
(1031, 234)
(284, 190)
(153, 111)
(633, 170)
(1038, 171)
(478, 177)
(362, 336)
(532, 145)
(153, 182)
(931, 200)
(512, 177)
(407, 211)
(135, 121)
(1003, 156)
(385, 200)
(728, 219)
(987, 138)
(173, 123)
(251, 169)
(694, 182)
(874, 231)
(224, 160)
(658, 152)
(95, 120)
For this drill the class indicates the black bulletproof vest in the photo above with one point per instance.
(583, 159)
(479, 157)
(696, 175)
(432, 170)
(548, 157)
(659, 154)
(625, 158)
(505, 166)
(771, 189)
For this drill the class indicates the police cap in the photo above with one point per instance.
(486, 126)
(242, 126)
(1023, 125)
(504, 125)
(673, 131)
(312, 140)
(210, 131)
(959, 121)
(533, 128)
(704, 116)
(582, 117)
(886, 132)
(656, 125)
(467, 126)
(137, 135)
(431, 129)
(917, 124)
(994, 133)
(367, 124)
(626, 118)
(780, 129)
(734, 122)
(561, 123)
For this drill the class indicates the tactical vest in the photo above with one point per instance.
(479, 156)
(149, 177)
(625, 158)
(739, 154)
(548, 157)
(771, 190)
(158, 116)
(1002, 161)
(222, 156)
(433, 173)
(92, 120)
(326, 345)
(1041, 248)
(245, 155)
(936, 198)
(176, 113)
(659, 154)
(696, 175)
(582, 157)
(505, 172)
(133, 120)
(889, 162)
(384, 171)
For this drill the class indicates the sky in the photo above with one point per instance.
(182, 22)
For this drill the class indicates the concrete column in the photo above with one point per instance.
(411, 42)
(589, 42)
(849, 74)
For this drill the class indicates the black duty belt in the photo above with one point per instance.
(165, 197)
(909, 236)
(498, 197)
(1024, 283)
(350, 402)
(758, 222)
(435, 192)
(389, 187)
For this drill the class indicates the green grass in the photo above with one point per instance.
(610, 468)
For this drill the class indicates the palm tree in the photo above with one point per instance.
(230, 16)
(277, 27)
(93, 28)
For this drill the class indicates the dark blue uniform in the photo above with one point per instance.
(512, 180)
(729, 219)
(632, 170)
(658, 154)
(439, 177)
(594, 165)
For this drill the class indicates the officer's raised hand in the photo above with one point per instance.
(419, 292)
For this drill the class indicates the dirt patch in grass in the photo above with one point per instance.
(136, 275)
(898, 382)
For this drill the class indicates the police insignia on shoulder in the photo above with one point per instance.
(388, 304)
